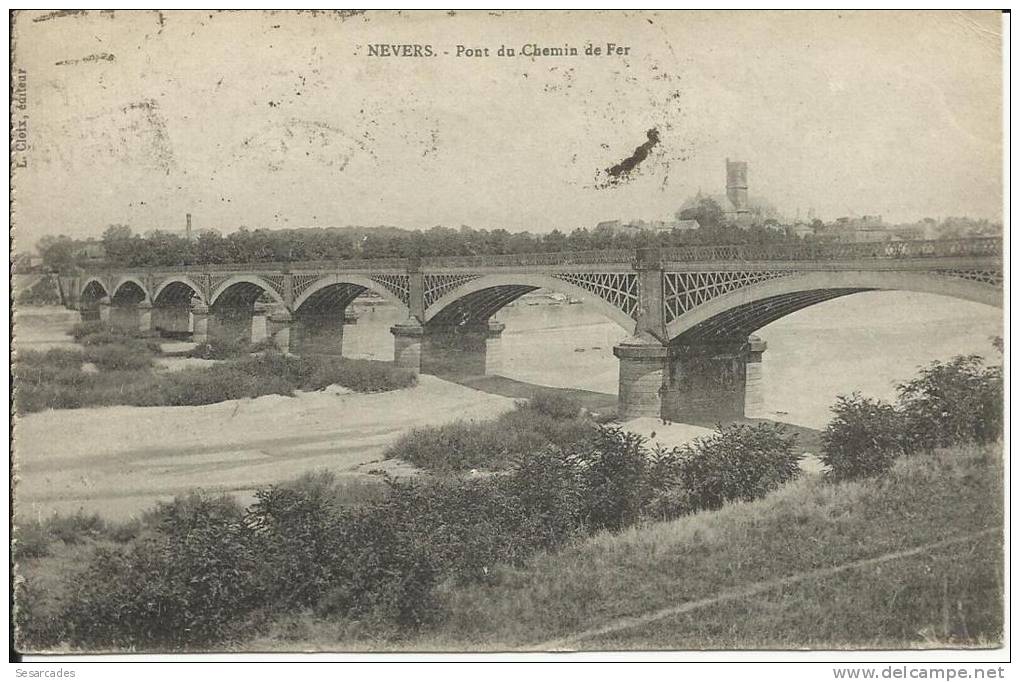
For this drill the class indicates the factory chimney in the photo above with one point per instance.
(187, 228)
(736, 185)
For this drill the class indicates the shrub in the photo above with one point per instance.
(863, 438)
(37, 628)
(953, 402)
(31, 540)
(77, 528)
(205, 386)
(738, 462)
(555, 405)
(118, 356)
(125, 531)
(44, 292)
(91, 327)
(612, 465)
(493, 444)
(220, 349)
(363, 376)
(52, 359)
(187, 585)
(297, 529)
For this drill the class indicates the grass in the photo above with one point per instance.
(952, 595)
(493, 444)
(123, 375)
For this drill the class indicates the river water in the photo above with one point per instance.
(865, 342)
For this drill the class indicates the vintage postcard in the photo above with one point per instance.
(516, 331)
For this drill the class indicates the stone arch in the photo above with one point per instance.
(348, 287)
(243, 287)
(747, 309)
(485, 295)
(173, 291)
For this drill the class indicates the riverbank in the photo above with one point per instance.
(119, 461)
(909, 560)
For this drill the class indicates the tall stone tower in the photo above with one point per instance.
(736, 191)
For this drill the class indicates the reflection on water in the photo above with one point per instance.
(866, 342)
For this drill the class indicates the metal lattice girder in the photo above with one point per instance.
(275, 281)
(94, 290)
(744, 320)
(479, 306)
(619, 289)
(685, 291)
(128, 291)
(993, 277)
(333, 298)
(399, 285)
(302, 282)
(437, 286)
(175, 293)
(241, 294)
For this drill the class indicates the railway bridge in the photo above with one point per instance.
(690, 312)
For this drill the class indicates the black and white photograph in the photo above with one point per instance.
(575, 333)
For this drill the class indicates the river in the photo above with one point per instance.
(865, 342)
(118, 461)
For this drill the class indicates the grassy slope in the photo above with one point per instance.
(952, 594)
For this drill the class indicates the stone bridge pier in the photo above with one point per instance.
(467, 350)
(705, 381)
(172, 320)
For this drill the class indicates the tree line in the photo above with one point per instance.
(122, 247)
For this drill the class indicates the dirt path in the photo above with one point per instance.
(570, 643)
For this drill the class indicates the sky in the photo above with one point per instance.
(279, 119)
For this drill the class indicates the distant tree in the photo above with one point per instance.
(122, 246)
(211, 247)
(706, 211)
(554, 241)
(57, 253)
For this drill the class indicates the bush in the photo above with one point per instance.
(494, 444)
(953, 402)
(363, 376)
(31, 540)
(187, 585)
(612, 466)
(89, 328)
(297, 528)
(44, 292)
(863, 439)
(555, 405)
(737, 462)
(220, 349)
(118, 357)
(37, 628)
(77, 528)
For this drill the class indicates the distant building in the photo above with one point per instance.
(801, 229)
(635, 226)
(186, 233)
(92, 251)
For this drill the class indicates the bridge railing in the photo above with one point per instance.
(814, 251)
(805, 251)
(607, 256)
